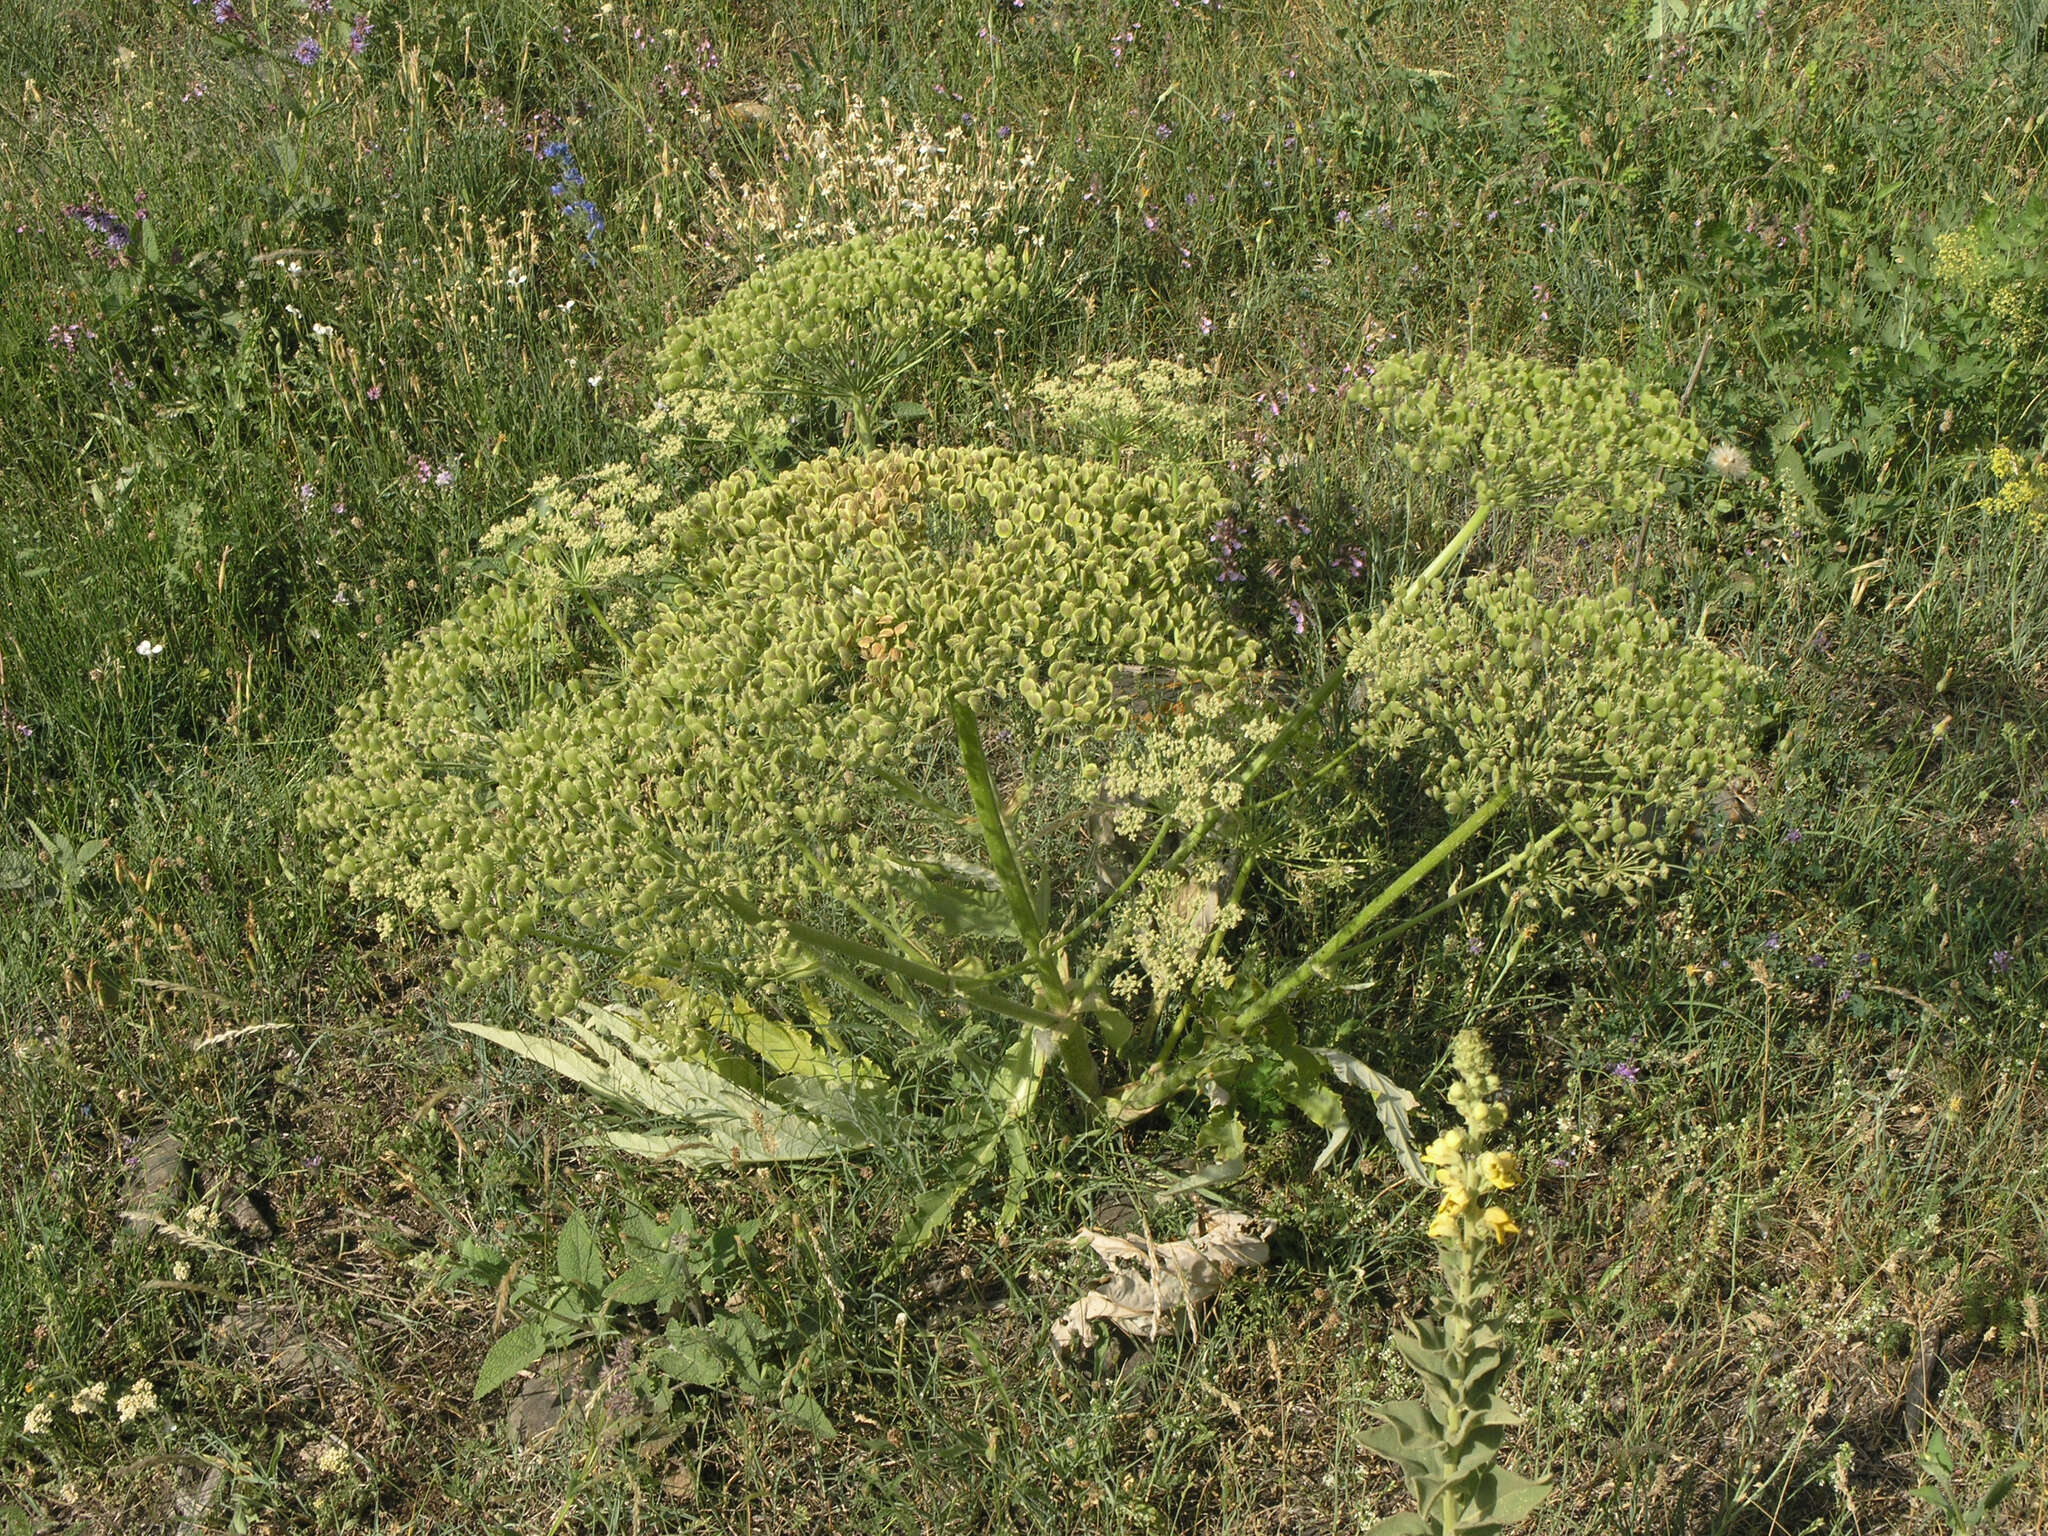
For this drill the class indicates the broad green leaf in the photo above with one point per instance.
(515, 1352)
(1115, 1027)
(637, 1287)
(696, 1359)
(1414, 1458)
(1510, 1498)
(1407, 1523)
(577, 1259)
(802, 1409)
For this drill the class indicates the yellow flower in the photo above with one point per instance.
(1445, 1149)
(1443, 1227)
(1501, 1170)
(1457, 1200)
(1500, 1223)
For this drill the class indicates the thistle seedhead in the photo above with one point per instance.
(1581, 444)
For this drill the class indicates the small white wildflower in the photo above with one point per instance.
(1728, 461)
(331, 1460)
(89, 1399)
(324, 331)
(181, 1271)
(148, 648)
(37, 1420)
(594, 380)
(137, 1401)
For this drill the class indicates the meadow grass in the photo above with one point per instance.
(1788, 1120)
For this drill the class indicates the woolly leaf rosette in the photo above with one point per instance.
(640, 706)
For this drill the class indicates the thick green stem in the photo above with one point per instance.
(1299, 977)
(995, 833)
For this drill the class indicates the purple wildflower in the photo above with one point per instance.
(1793, 834)
(1775, 943)
(1299, 610)
(1627, 1071)
(308, 51)
(1208, 326)
(101, 222)
(2001, 960)
(359, 34)
(224, 12)
(1229, 540)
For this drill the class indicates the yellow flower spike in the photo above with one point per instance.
(1500, 1223)
(1444, 1227)
(1457, 1200)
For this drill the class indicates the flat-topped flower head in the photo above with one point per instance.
(645, 699)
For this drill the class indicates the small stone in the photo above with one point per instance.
(157, 1183)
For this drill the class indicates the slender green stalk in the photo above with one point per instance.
(1335, 945)
(989, 812)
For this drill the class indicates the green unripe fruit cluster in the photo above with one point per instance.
(640, 705)
(1580, 444)
(1592, 709)
(784, 332)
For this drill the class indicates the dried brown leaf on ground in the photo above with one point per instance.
(1154, 1287)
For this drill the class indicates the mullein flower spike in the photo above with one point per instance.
(1447, 1443)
